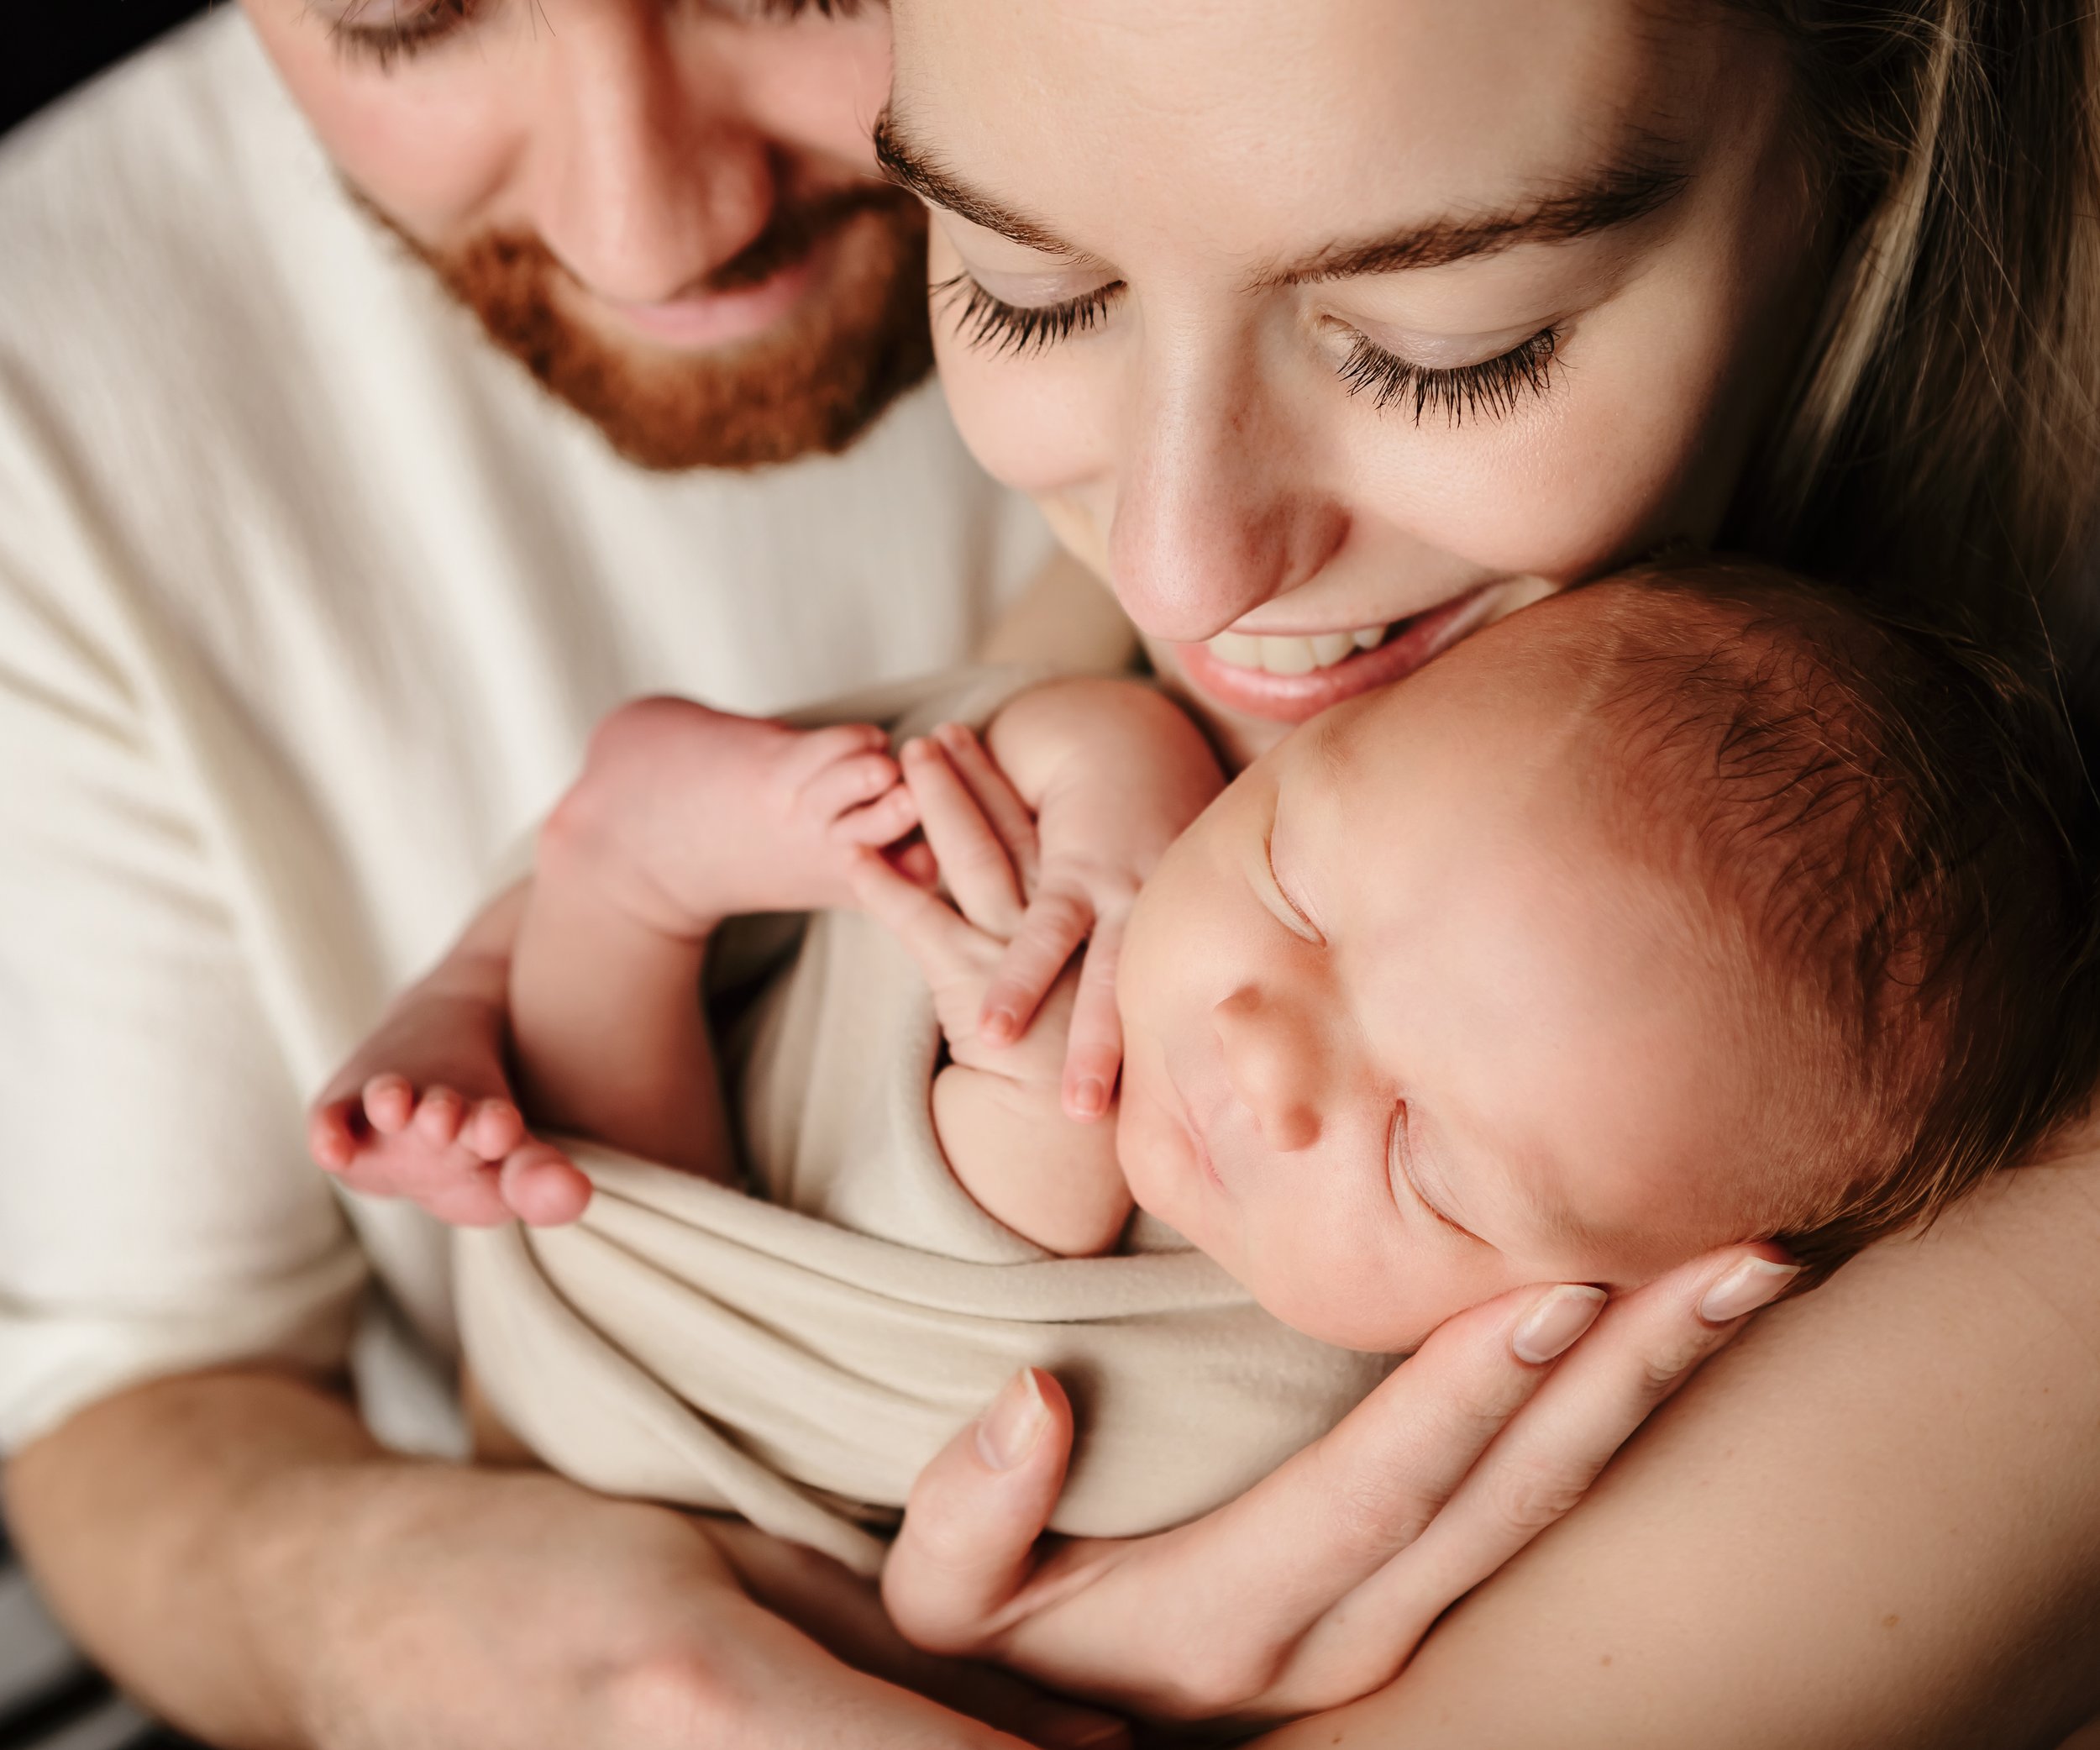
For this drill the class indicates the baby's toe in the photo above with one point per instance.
(439, 1116)
(473, 1201)
(849, 783)
(493, 1129)
(390, 1103)
(542, 1186)
(332, 1136)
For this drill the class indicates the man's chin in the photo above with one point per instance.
(813, 380)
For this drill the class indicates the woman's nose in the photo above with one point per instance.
(646, 174)
(1272, 1062)
(1215, 513)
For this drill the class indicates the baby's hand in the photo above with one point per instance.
(959, 941)
(1118, 773)
(422, 1110)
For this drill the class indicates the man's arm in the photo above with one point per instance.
(1875, 1521)
(237, 1551)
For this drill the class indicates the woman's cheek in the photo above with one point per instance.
(1612, 462)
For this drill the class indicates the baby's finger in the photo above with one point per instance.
(927, 926)
(882, 822)
(1057, 922)
(847, 784)
(1011, 817)
(915, 862)
(390, 1103)
(974, 862)
(1094, 1049)
(542, 1187)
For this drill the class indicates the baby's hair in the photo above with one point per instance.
(1899, 828)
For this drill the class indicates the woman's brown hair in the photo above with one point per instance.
(1942, 445)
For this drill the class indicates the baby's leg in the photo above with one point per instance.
(684, 817)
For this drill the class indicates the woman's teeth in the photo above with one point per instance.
(1293, 655)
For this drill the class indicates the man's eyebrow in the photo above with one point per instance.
(1622, 192)
(912, 167)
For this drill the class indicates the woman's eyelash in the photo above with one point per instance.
(398, 38)
(1494, 386)
(999, 327)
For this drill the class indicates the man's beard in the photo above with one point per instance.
(856, 340)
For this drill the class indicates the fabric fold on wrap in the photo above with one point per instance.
(796, 1353)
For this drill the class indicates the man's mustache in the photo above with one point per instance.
(796, 228)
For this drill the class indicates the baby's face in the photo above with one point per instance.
(1405, 1029)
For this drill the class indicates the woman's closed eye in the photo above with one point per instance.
(985, 320)
(1492, 387)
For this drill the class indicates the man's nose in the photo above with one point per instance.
(1272, 1061)
(1215, 509)
(645, 173)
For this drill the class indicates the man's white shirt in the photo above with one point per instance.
(308, 599)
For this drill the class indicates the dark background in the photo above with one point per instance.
(49, 46)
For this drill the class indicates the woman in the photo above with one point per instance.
(1326, 333)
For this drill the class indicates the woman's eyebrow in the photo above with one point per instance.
(1624, 189)
(919, 171)
(1621, 193)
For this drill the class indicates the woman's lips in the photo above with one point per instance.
(1293, 698)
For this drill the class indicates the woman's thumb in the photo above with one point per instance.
(967, 1545)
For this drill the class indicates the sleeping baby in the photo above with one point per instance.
(1691, 907)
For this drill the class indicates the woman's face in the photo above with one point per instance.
(1329, 332)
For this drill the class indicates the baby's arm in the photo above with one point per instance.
(1116, 771)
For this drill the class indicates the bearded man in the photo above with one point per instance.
(308, 596)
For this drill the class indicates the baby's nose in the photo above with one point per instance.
(1271, 1063)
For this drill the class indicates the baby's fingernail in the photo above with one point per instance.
(1551, 1327)
(1008, 1432)
(1001, 1025)
(1089, 1099)
(1754, 1282)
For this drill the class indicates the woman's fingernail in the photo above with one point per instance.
(1001, 1025)
(1754, 1282)
(1007, 1432)
(1551, 1327)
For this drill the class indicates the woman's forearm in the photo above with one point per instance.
(1874, 1522)
(154, 1520)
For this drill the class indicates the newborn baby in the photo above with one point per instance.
(1687, 907)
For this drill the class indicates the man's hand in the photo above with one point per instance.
(1316, 1585)
(279, 1581)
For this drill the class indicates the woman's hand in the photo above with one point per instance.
(1316, 1585)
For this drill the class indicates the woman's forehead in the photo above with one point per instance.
(1264, 127)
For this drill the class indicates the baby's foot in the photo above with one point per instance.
(423, 1111)
(685, 815)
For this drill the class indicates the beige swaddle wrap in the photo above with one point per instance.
(795, 1354)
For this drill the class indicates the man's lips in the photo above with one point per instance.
(709, 319)
(1294, 698)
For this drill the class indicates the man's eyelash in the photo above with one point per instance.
(1493, 387)
(398, 38)
(999, 327)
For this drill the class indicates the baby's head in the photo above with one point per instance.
(1690, 908)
